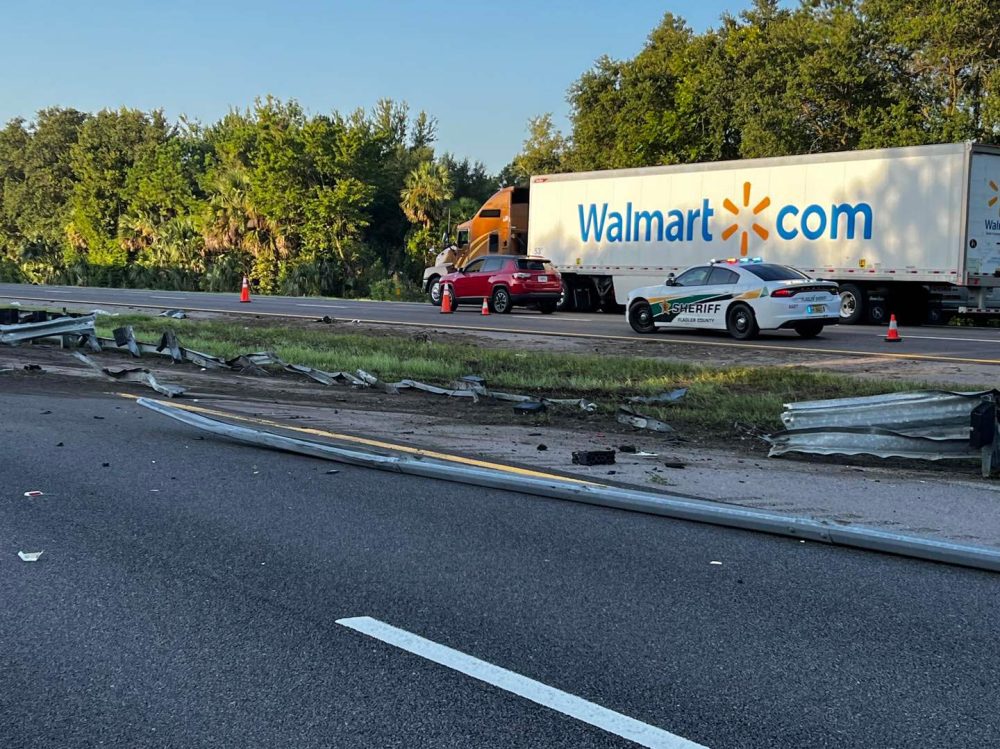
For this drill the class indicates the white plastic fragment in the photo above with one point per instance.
(34, 493)
(716, 561)
(30, 556)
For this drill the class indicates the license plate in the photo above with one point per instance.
(542, 279)
(815, 309)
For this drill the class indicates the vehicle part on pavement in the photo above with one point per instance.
(175, 314)
(594, 457)
(30, 556)
(529, 407)
(666, 505)
(133, 374)
(629, 417)
(56, 328)
(926, 425)
(672, 397)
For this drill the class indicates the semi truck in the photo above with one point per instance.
(909, 231)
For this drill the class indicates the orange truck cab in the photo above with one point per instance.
(500, 227)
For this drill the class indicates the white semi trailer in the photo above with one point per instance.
(900, 229)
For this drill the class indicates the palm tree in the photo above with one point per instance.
(427, 190)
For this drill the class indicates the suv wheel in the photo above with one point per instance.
(500, 300)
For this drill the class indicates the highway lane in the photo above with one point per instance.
(190, 591)
(978, 345)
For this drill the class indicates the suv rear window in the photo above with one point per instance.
(535, 265)
(768, 272)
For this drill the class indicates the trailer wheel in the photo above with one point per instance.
(565, 303)
(640, 317)
(741, 323)
(852, 304)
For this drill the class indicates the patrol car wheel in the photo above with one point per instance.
(741, 323)
(809, 329)
(640, 317)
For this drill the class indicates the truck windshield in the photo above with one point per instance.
(776, 272)
(535, 265)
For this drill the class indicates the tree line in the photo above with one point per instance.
(829, 75)
(349, 204)
(323, 204)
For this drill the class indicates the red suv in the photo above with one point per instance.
(505, 280)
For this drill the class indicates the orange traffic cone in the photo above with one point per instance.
(245, 292)
(486, 306)
(893, 336)
(445, 301)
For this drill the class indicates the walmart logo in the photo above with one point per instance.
(815, 221)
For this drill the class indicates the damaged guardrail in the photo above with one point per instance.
(23, 332)
(602, 495)
(926, 425)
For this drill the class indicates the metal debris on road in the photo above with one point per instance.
(30, 556)
(629, 417)
(34, 493)
(12, 335)
(133, 374)
(176, 314)
(683, 508)
(672, 397)
(594, 457)
(529, 407)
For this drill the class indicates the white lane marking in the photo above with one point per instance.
(542, 694)
(957, 339)
(174, 298)
(324, 306)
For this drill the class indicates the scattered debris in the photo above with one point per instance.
(34, 367)
(716, 562)
(332, 471)
(672, 397)
(9, 317)
(325, 319)
(542, 448)
(644, 454)
(594, 457)
(629, 417)
(176, 314)
(133, 374)
(34, 493)
(675, 464)
(529, 407)
(627, 449)
(30, 556)
(103, 312)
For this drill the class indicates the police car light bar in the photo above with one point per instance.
(736, 261)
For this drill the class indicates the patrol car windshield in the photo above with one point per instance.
(775, 272)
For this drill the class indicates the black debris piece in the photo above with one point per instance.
(594, 457)
(627, 449)
(529, 407)
(542, 447)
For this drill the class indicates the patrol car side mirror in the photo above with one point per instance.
(671, 281)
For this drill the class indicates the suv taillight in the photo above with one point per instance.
(522, 276)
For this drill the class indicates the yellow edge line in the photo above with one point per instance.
(364, 441)
(596, 336)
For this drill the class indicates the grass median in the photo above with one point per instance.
(718, 398)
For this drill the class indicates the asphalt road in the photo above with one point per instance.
(189, 593)
(976, 345)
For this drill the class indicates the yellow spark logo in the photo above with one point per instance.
(759, 230)
(993, 201)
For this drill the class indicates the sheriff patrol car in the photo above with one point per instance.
(742, 296)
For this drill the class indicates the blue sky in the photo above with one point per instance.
(481, 68)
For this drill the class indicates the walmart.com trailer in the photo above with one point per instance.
(899, 229)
